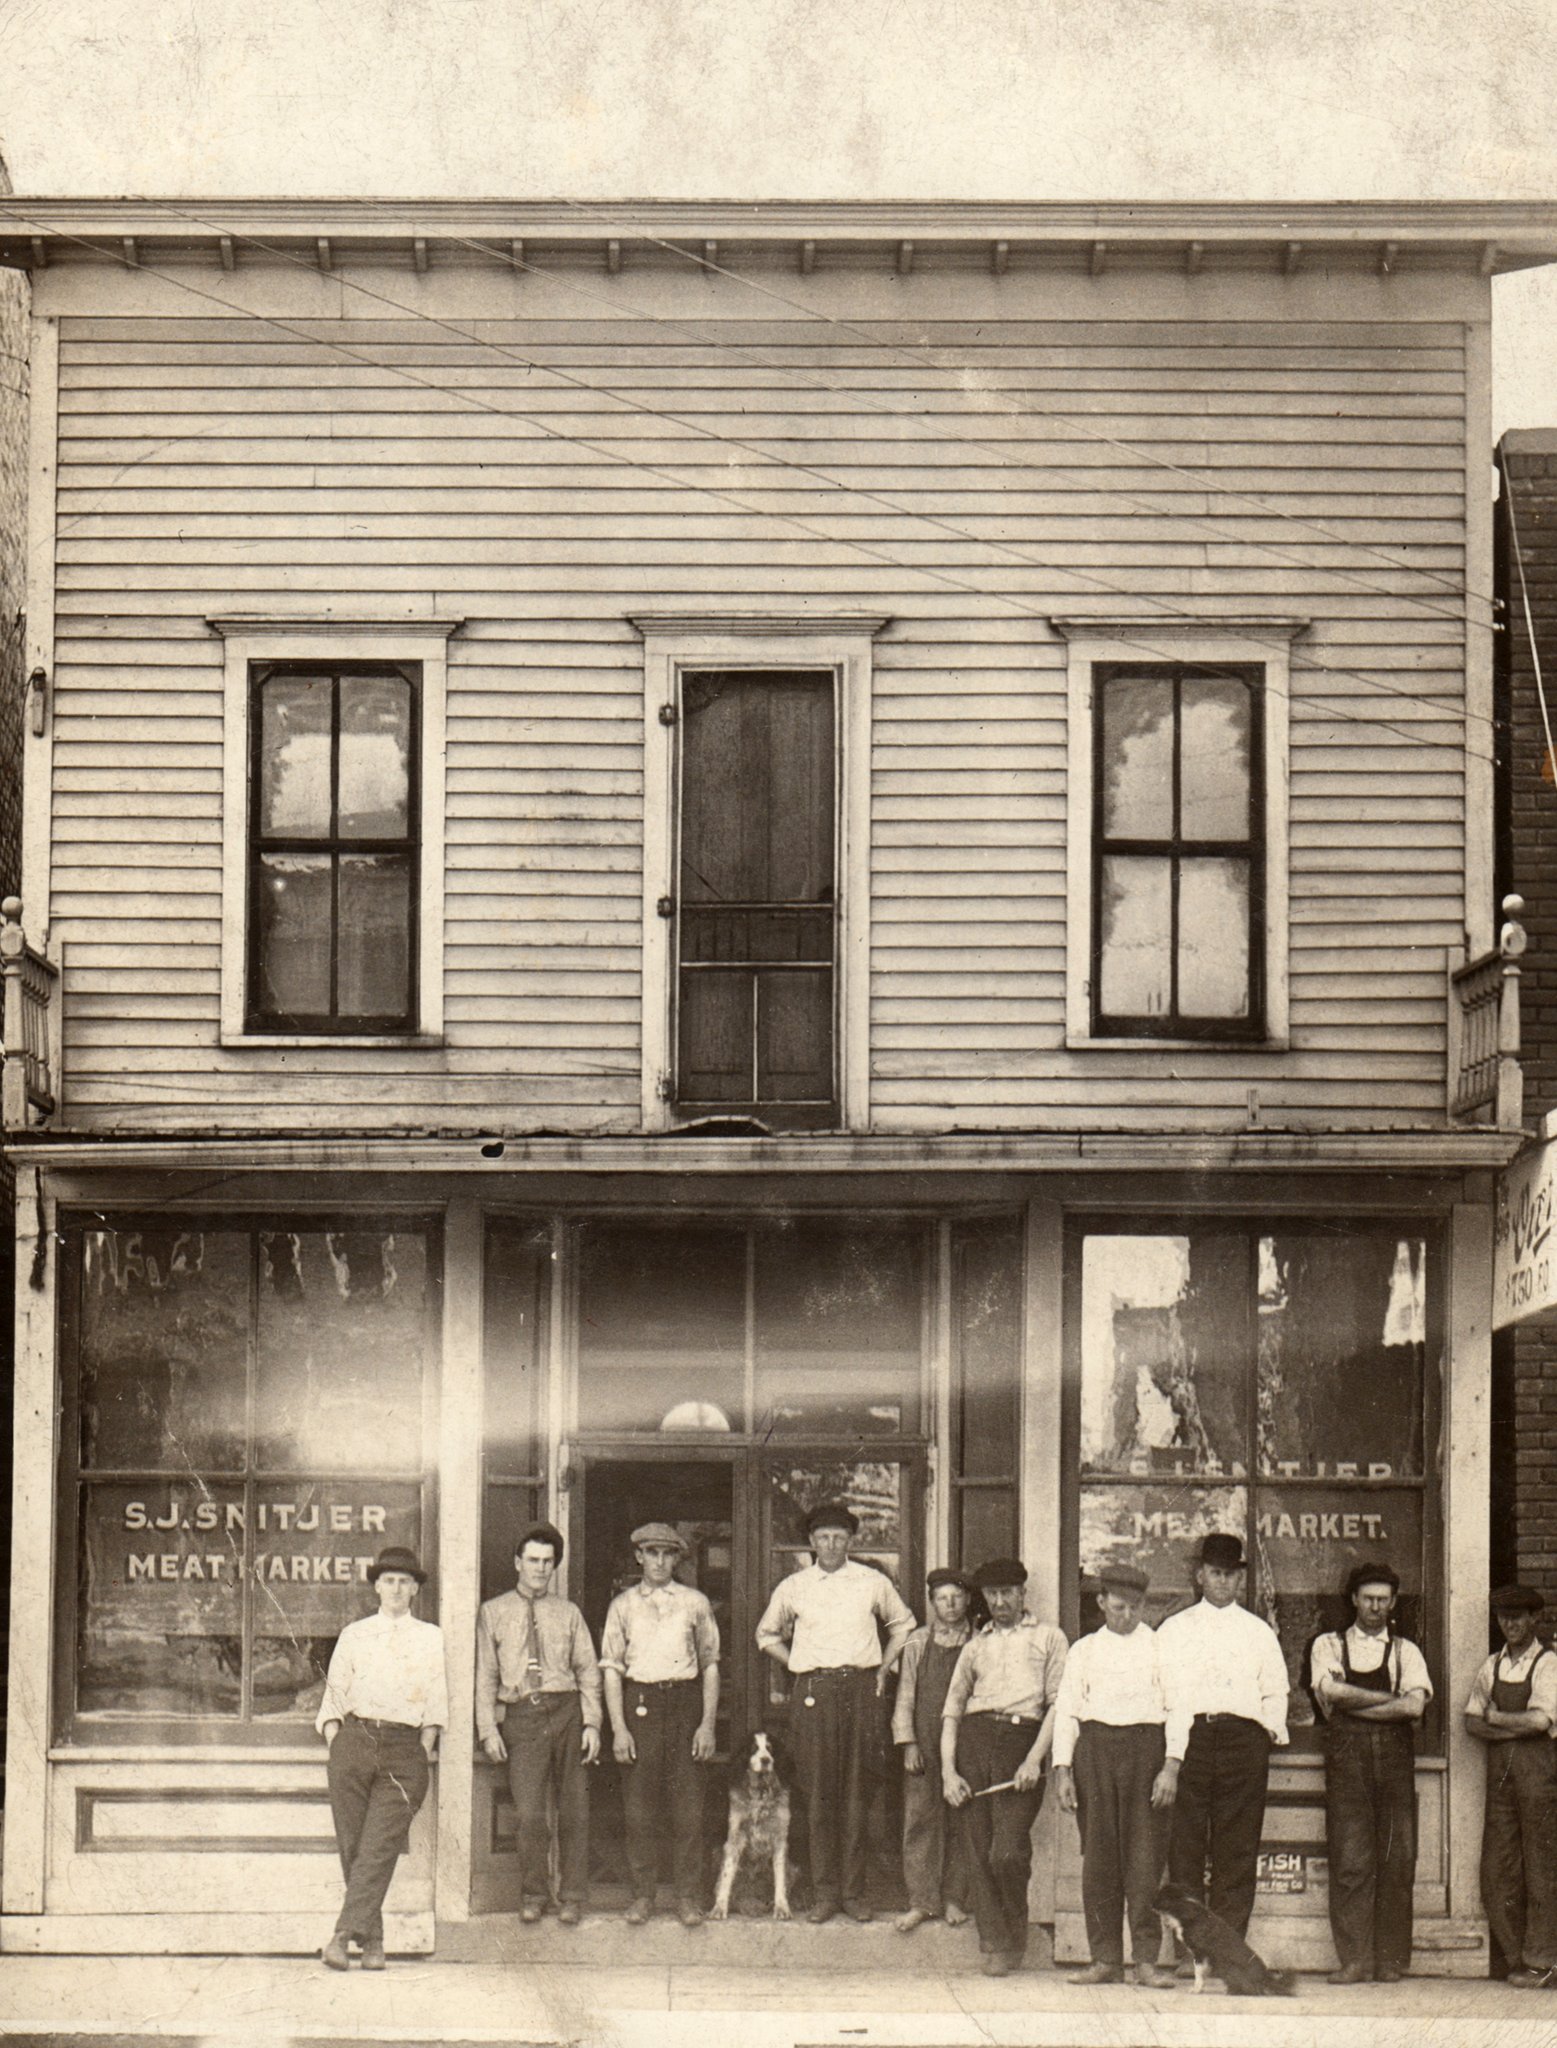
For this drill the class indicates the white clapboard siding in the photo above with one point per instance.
(545, 480)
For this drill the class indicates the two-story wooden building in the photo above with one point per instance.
(681, 859)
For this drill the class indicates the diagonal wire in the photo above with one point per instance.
(1550, 764)
(1449, 713)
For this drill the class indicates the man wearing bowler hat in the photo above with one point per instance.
(825, 1626)
(1372, 1687)
(1224, 1682)
(1109, 1770)
(1512, 1710)
(385, 1702)
(996, 1730)
(659, 1657)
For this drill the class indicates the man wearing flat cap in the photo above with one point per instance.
(659, 1657)
(1109, 1770)
(996, 1729)
(1372, 1688)
(386, 1700)
(1512, 1710)
(933, 1868)
(1224, 1683)
(825, 1625)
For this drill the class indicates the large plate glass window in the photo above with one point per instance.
(1281, 1383)
(246, 1430)
(333, 848)
(1178, 880)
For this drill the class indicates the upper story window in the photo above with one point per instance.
(1176, 832)
(333, 831)
(333, 848)
(756, 902)
(1177, 849)
(756, 869)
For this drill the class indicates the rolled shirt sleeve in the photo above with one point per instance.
(1067, 1708)
(960, 1691)
(705, 1632)
(613, 1637)
(778, 1620)
(908, 1687)
(486, 1678)
(587, 1671)
(896, 1616)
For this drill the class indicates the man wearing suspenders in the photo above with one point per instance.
(1513, 1710)
(1372, 1687)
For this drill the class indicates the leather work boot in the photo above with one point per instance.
(333, 1955)
(373, 1957)
(1149, 1978)
(1097, 1973)
(638, 1912)
(689, 1913)
(1351, 1973)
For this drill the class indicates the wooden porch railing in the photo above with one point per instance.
(27, 1085)
(1486, 1082)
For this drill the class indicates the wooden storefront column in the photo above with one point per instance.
(459, 1547)
(1467, 1478)
(1040, 1476)
(32, 1552)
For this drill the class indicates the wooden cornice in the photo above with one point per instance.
(1196, 240)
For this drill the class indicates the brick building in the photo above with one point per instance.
(1524, 1459)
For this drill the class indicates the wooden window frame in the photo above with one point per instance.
(251, 644)
(234, 1731)
(674, 645)
(334, 846)
(1258, 647)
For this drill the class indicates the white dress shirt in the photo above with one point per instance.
(829, 1619)
(1110, 1678)
(1367, 1652)
(387, 1670)
(656, 1634)
(1221, 1660)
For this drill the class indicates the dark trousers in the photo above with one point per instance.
(1123, 1839)
(1219, 1813)
(838, 1742)
(934, 1867)
(997, 1832)
(662, 1792)
(378, 1776)
(544, 1756)
(1370, 1836)
(1519, 1850)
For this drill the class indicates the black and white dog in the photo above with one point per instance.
(1218, 1948)
(759, 1823)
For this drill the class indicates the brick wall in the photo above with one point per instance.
(1525, 1374)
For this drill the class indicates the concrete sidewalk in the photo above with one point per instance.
(249, 2002)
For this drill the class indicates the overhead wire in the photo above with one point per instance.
(1549, 765)
(1128, 634)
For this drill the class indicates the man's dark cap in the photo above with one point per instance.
(1222, 1552)
(396, 1560)
(1372, 1575)
(943, 1575)
(541, 1532)
(1517, 1600)
(832, 1514)
(1123, 1578)
(1000, 1571)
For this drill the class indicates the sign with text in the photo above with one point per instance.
(1524, 1268)
(1281, 1870)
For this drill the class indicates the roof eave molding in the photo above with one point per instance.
(1489, 237)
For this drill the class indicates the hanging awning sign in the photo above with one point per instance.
(1524, 1247)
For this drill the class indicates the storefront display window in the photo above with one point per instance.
(1280, 1384)
(246, 1432)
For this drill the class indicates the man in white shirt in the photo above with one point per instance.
(659, 1658)
(385, 1700)
(1224, 1682)
(1372, 1687)
(1109, 1756)
(1512, 1710)
(825, 1626)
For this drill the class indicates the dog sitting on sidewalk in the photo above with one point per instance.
(1216, 1947)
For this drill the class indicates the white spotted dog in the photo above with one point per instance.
(759, 1824)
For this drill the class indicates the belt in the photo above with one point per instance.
(659, 1684)
(1214, 1720)
(400, 1727)
(1006, 1720)
(837, 1671)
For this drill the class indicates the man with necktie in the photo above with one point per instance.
(536, 1675)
